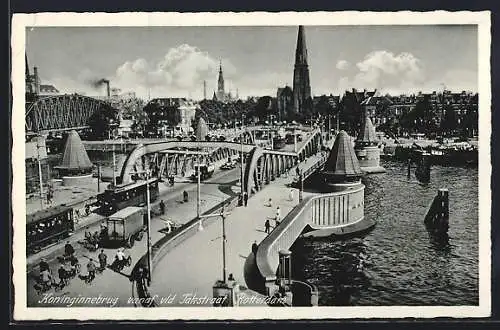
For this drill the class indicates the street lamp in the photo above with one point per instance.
(242, 159)
(148, 203)
(222, 214)
(39, 169)
(198, 190)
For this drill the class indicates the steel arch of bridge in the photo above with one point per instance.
(61, 112)
(262, 165)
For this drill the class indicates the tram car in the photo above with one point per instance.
(121, 196)
(48, 226)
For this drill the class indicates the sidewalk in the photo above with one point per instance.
(192, 268)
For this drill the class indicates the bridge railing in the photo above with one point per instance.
(325, 210)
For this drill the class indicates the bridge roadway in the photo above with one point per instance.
(110, 283)
(194, 265)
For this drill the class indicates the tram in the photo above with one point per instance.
(121, 196)
(48, 226)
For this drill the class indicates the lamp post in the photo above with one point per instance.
(150, 263)
(114, 166)
(198, 193)
(242, 158)
(39, 170)
(223, 215)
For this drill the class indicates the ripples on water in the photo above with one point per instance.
(398, 263)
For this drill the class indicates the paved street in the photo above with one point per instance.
(111, 284)
(198, 260)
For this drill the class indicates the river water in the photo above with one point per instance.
(398, 263)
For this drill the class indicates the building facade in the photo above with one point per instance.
(167, 114)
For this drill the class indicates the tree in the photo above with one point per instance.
(449, 122)
(101, 121)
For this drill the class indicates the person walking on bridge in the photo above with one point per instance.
(278, 216)
(162, 207)
(267, 225)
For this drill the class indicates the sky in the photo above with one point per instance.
(256, 60)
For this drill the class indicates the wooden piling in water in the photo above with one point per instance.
(437, 218)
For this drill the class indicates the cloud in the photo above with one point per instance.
(383, 70)
(181, 70)
(342, 65)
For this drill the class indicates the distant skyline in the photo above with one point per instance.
(174, 61)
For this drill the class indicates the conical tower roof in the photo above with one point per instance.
(301, 50)
(367, 133)
(201, 130)
(342, 161)
(75, 157)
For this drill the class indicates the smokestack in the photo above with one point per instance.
(108, 92)
(37, 81)
(204, 89)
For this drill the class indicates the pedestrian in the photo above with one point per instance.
(278, 216)
(103, 259)
(185, 195)
(270, 202)
(63, 279)
(87, 209)
(162, 207)
(235, 289)
(91, 270)
(255, 247)
(290, 195)
(168, 225)
(267, 225)
(46, 278)
(88, 234)
(68, 249)
(245, 198)
(43, 265)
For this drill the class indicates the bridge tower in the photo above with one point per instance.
(76, 167)
(341, 170)
(366, 148)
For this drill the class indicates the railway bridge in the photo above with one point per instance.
(64, 112)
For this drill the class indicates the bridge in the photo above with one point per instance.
(262, 165)
(63, 112)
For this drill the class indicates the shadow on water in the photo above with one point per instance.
(343, 267)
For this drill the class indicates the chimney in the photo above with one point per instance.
(37, 81)
(108, 92)
(204, 89)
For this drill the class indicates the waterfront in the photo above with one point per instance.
(398, 262)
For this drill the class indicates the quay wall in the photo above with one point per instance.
(368, 156)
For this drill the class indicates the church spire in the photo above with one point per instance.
(301, 84)
(301, 51)
(220, 84)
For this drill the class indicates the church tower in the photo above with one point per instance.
(301, 85)
(221, 94)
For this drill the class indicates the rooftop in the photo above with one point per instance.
(342, 161)
(75, 156)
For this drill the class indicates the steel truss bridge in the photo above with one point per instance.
(62, 112)
(175, 157)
